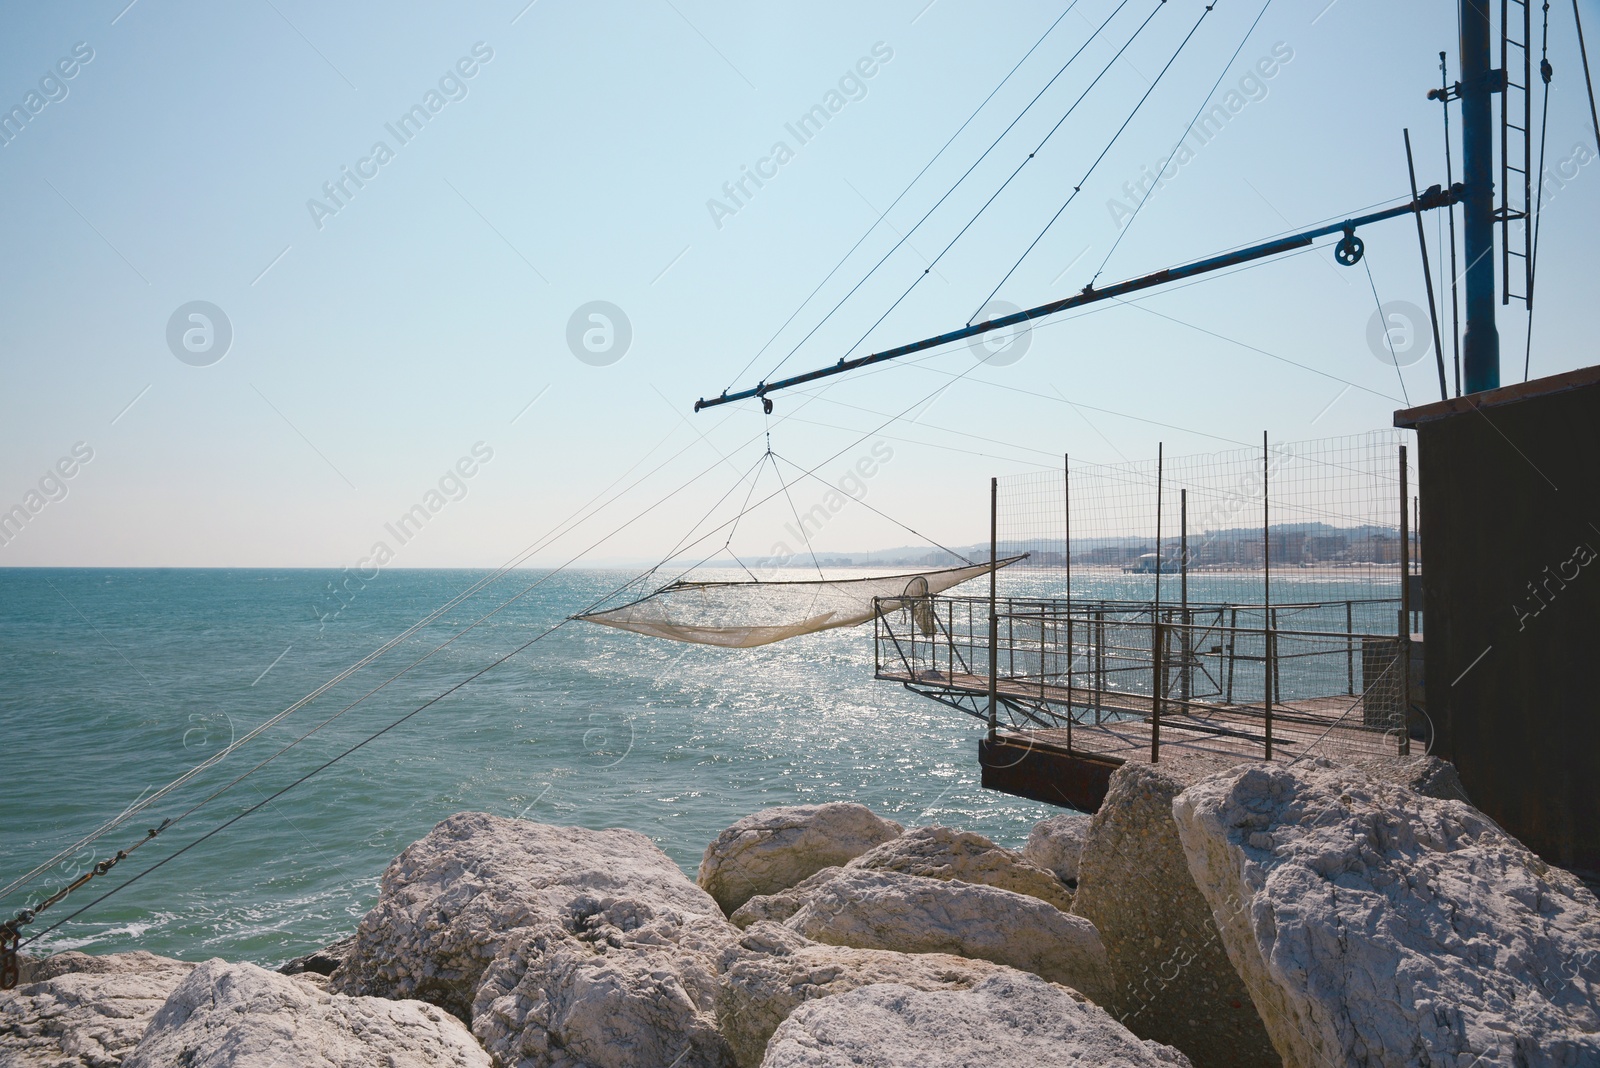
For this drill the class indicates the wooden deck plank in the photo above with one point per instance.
(1216, 730)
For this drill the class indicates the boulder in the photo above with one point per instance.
(448, 904)
(74, 1010)
(1374, 925)
(945, 853)
(1007, 1019)
(322, 961)
(1426, 775)
(911, 914)
(1172, 980)
(241, 1016)
(1056, 844)
(778, 907)
(628, 988)
(772, 971)
(776, 848)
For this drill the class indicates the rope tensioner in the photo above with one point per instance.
(11, 930)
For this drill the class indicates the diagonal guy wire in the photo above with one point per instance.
(309, 45)
(96, 229)
(98, 631)
(496, 229)
(709, 45)
(303, 438)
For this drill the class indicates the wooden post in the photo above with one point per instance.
(994, 621)
(1269, 660)
(1404, 645)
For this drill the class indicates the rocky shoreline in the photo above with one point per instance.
(1304, 915)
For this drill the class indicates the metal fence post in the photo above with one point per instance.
(1099, 662)
(1270, 664)
(1187, 645)
(1350, 647)
(1404, 645)
(1155, 689)
(994, 622)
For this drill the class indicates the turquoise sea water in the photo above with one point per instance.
(113, 682)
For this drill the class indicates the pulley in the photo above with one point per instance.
(1349, 249)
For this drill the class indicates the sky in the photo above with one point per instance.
(279, 273)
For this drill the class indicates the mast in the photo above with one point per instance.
(1481, 341)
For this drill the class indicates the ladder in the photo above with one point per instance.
(1516, 151)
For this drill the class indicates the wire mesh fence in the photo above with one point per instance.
(1293, 523)
(1244, 603)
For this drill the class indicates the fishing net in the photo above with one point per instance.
(740, 615)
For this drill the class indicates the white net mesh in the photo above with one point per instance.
(740, 615)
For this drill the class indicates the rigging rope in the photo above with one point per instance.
(1103, 152)
(907, 236)
(909, 529)
(993, 196)
(1388, 337)
(1204, 100)
(10, 931)
(885, 213)
(145, 802)
(1583, 51)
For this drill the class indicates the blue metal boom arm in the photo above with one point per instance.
(1434, 197)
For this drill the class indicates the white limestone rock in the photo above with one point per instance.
(772, 971)
(450, 902)
(778, 847)
(241, 1016)
(1425, 774)
(1173, 982)
(778, 907)
(320, 962)
(946, 853)
(74, 1010)
(1377, 926)
(1056, 844)
(629, 988)
(1007, 1019)
(911, 914)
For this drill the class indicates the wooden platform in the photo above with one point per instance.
(1213, 732)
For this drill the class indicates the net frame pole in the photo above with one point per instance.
(994, 621)
(1403, 646)
(1268, 665)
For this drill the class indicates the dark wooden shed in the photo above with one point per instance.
(1510, 524)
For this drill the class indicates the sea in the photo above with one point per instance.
(115, 682)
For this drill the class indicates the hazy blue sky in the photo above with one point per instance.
(373, 346)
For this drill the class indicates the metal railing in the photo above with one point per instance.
(1114, 676)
